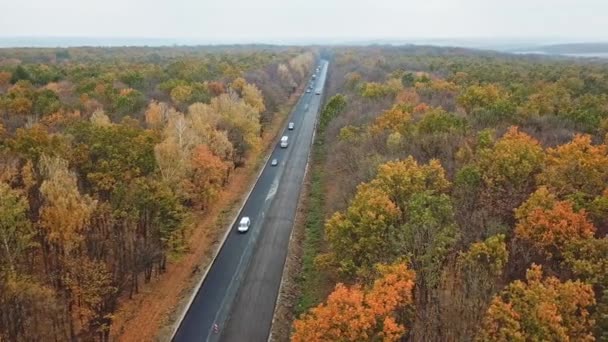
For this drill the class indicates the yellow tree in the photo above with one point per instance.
(540, 310)
(392, 120)
(99, 118)
(65, 212)
(577, 170)
(404, 178)
(253, 97)
(508, 169)
(479, 96)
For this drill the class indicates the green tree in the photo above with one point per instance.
(16, 234)
(366, 233)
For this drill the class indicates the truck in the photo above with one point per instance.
(284, 142)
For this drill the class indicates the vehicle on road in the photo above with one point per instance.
(290, 126)
(314, 76)
(308, 90)
(284, 142)
(318, 92)
(274, 162)
(244, 224)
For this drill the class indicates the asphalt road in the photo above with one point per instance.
(241, 287)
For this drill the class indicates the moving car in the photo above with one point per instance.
(308, 90)
(274, 162)
(318, 92)
(284, 142)
(244, 224)
(290, 126)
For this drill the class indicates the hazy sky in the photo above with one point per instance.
(267, 20)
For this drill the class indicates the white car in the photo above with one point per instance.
(274, 162)
(244, 224)
(290, 126)
(308, 90)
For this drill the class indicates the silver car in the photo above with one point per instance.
(274, 162)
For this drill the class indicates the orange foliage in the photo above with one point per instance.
(407, 96)
(550, 229)
(421, 108)
(209, 174)
(216, 88)
(351, 314)
(5, 79)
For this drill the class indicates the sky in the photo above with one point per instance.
(312, 20)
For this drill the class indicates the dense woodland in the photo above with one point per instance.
(105, 154)
(459, 196)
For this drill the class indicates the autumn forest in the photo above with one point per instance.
(453, 194)
(457, 196)
(107, 156)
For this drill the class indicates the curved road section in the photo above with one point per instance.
(240, 289)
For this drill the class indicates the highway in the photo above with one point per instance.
(240, 289)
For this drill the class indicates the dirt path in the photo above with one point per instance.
(150, 315)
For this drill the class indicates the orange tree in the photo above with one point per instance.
(549, 225)
(354, 314)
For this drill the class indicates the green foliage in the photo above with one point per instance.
(587, 259)
(112, 155)
(32, 142)
(16, 235)
(334, 106)
(47, 102)
(128, 103)
(429, 233)
(490, 256)
(20, 74)
(408, 79)
(440, 121)
(367, 233)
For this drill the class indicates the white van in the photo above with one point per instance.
(244, 224)
(284, 142)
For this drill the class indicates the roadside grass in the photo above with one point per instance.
(311, 280)
(313, 283)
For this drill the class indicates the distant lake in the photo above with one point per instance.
(578, 54)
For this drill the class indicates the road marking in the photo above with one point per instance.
(273, 189)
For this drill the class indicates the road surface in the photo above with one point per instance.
(241, 287)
